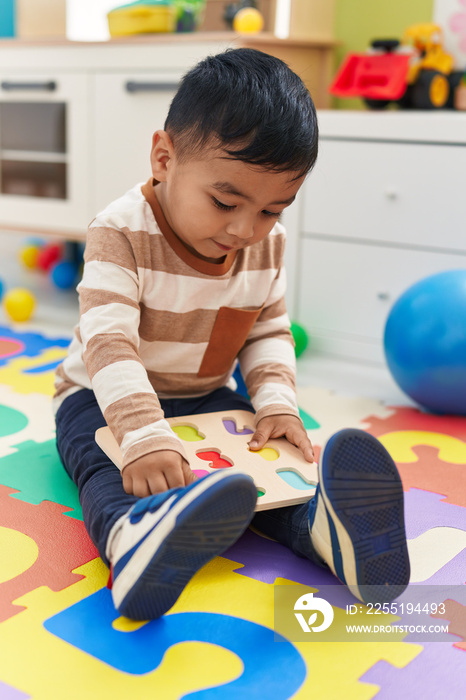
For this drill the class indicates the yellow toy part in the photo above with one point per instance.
(427, 39)
(142, 17)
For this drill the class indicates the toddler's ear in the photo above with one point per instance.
(161, 154)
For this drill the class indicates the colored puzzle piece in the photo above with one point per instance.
(437, 673)
(9, 693)
(433, 550)
(230, 425)
(36, 471)
(28, 344)
(17, 372)
(9, 348)
(331, 412)
(61, 544)
(215, 459)
(35, 421)
(216, 591)
(425, 510)
(410, 430)
(188, 433)
(455, 613)
(88, 626)
(11, 421)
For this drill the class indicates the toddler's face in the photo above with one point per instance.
(215, 204)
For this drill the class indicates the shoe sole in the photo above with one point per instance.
(198, 527)
(363, 495)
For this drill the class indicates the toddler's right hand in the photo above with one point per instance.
(156, 472)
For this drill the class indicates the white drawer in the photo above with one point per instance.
(346, 290)
(388, 192)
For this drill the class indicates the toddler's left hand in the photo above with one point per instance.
(282, 425)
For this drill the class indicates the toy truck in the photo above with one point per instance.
(416, 72)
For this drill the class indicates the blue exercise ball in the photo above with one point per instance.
(425, 342)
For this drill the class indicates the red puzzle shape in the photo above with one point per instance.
(216, 461)
(63, 545)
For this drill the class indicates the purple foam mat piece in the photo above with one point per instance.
(438, 672)
(265, 560)
(425, 510)
(9, 693)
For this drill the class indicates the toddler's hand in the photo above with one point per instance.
(279, 426)
(156, 472)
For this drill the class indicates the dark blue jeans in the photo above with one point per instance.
(99, 481)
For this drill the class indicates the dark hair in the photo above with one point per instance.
(250, 104)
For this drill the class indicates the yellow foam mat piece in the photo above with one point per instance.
(56, 669)
(13, 374)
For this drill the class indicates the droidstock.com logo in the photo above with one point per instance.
(311, 605)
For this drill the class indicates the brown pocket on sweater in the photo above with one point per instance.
(231, 328)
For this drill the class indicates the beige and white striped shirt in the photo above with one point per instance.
(157, 321)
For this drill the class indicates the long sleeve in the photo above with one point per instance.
(109, 323)
(267, 360)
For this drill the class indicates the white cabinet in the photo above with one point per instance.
(129, 107)
(76, 123)
(383, 208)
(44, 136)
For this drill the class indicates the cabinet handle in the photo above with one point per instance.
(135, 86)
(49, 85)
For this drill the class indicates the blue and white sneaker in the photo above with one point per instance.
(158, 546)
(356, 519)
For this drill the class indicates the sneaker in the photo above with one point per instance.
(356, 520)
(158, 546)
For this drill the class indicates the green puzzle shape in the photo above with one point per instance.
(309, 422)
(37, 472)
(11, 420)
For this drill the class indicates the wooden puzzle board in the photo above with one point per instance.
(220, 441)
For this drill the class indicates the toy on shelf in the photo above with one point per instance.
(189, 14)
(417, 73)
(425, 342)
(248, 20)
(19, 304)
(460, 94)
(155, 16)
(141, 17)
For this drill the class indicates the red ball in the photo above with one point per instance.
(48, 256)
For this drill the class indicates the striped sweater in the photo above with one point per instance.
(157, 321)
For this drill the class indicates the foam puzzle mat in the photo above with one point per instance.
(60, 636)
